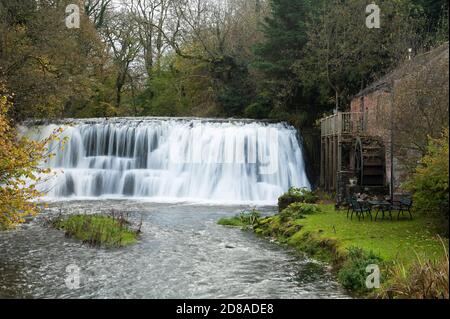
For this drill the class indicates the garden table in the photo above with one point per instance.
(382, 206)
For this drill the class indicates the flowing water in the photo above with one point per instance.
(221, 161)
(182, 253)
(179, 177)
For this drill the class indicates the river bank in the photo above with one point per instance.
(398, 247)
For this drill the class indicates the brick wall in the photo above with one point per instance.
(375, 102)
(376, 107)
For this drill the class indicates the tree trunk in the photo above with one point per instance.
(337, 101)
(119, 86)
(118, 96)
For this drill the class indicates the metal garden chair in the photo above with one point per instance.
(402, 206)
(360, 209)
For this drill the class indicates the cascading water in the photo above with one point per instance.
(175, 159)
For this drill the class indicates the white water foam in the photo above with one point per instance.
(170, 160)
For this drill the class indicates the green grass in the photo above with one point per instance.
(244, 220)
(235, 221)
(98, 230)
(401, 241)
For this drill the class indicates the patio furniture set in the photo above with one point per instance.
(362, 208)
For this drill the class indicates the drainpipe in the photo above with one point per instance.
(392, 139)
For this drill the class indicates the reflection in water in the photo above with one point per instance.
(182, 253)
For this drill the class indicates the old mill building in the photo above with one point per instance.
(358, 153)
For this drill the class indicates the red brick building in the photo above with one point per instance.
(357, 146)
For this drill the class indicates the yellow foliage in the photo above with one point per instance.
(20, 170)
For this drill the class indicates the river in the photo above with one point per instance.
(182, 253)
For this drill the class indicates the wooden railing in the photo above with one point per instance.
(343, 123)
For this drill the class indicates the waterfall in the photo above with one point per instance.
(174, 159)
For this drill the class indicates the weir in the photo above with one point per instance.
(174, 159)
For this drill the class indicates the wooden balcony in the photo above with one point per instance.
(343, 124)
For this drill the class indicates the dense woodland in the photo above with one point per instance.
(282, 59)
(291, 60)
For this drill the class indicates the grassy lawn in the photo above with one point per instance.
(401, 241)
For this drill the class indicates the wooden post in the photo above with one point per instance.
(330, 163)
(325, 161)
(392, 189)
(333, 162)
(327, 166)
(322, 163)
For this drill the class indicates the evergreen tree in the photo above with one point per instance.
(285, 33)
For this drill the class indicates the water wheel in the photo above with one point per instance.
(369, 159)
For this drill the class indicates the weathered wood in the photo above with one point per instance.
(343, 123)
(337, 132)
(322, 163)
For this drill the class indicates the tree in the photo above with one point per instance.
(421, 107)
(215, 36)
(343, 56)
(285, 38)
(150, 18)
(20, 169)
(430, 181)
(42, 61)
(435, 11)
(123, 42)
(97, 10)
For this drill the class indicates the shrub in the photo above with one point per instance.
(423, 280)
(250, 218)
(297, 195)
(20, 168)
(299, 211)
(352, 274)
(429, 183)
